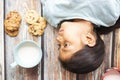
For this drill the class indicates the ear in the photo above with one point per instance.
(90, 39)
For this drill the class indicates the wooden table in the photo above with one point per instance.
(49, 68)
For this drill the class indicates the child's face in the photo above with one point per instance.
(71, 38)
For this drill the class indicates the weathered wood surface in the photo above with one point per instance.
(117, 45)
(49, 68)
(20, 73)
(1, 41)
(117, 48)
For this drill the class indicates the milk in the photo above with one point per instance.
(28, 54)
(113, 75)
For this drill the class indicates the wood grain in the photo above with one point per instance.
(117, 49)
(2, 77)
(50, 67)
(20, 73)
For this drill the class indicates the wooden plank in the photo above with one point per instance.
(52, 68)
(108, 40)
(117, 49)
(20, 73)
(117, 45)
(1, 40)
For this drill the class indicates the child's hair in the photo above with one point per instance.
(86, 60)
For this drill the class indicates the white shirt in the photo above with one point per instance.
(99, 12)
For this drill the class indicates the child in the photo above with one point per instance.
(81, 48)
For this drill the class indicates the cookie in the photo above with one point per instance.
(42, 22)
(14, 15)
(11, 24)
(31, 16)
(36, 23)
(12, 33)
(35, 29)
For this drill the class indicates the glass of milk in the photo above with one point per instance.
(112, 74)
(27, 54)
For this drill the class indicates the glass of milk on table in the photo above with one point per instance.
(27, 54)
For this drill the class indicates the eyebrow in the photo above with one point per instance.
(67, 20)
